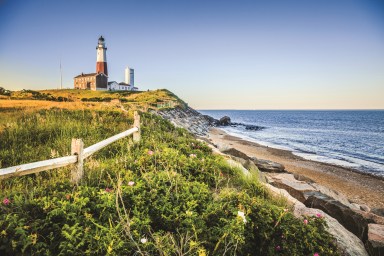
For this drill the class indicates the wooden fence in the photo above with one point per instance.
(78, 154)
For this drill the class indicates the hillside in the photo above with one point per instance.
(166, 195)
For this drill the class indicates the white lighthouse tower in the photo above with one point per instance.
(130, 76)
(101, 64)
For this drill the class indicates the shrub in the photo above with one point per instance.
(166, 195)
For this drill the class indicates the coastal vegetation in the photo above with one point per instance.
(166, 195)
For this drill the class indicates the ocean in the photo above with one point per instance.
(350, 138)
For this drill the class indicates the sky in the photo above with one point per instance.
(271, 54)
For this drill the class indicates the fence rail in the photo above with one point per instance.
(78, 155)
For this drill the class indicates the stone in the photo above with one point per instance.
(355, 206)
(375, 243)
(235, 164)
(225, 121)
(334, 194)
(365, 208)
(371, 217)
(350, 219)
(268, 166)
(347, 242)
(378, 211)
(250, 165)
(298, 189)
(236, 153)
(303, 178)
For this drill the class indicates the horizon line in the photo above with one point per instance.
(301, 109)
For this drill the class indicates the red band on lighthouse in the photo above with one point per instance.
(101, 67)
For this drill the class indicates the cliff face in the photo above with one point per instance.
(189, 119)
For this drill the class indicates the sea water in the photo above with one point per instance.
(351, 138)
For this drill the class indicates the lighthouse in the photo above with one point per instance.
(101, 64)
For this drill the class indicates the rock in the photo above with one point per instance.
(212, 121)
(268, 166)
(225, 121)
(298, 189)
(375, 243)
(334, 194)
(250, 165)
(236, 153)
(303, 178)
(189, 119)
(365, 208)
(355, 206)
(371, 217)
(378, 211)
(253, 127)
(236, 164)
(350, 219)
(346, 241)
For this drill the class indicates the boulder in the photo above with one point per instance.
(268, 166)
(371, 217)
(212, 121)
(334, 194)
(375, 243)
(346, 241)
(253, 128)
(225, 121)
(236, 153)
(365, 208)
(298, 189)
(350, 219)
(378, 211)
(303, 178)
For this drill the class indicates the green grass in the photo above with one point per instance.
(184, 200)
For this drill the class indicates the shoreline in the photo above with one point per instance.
(361, 188)
(276, 147)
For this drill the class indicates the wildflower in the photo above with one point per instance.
(285, 210)
(131, 183)
(241, 215)
(150, 152)
(278, 248)
(6, 201)
(318, 215)
(143, 240)
(68, 196)
(108, 190)
(305, 222)
(192, 155)
(316, 254)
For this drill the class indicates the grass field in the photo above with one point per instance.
(166, 195)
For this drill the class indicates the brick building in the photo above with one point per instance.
(91, 81)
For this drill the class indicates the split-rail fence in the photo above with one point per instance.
(77, 157)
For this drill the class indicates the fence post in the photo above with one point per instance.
(136, 123)
(77, 171)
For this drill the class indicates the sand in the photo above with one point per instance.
(357, 187)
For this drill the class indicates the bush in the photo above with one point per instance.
(167, 195)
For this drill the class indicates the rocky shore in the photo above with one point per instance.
(310, 187)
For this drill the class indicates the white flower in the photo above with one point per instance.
(143, 240)
(241, 215)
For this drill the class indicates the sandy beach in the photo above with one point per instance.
(357, 187)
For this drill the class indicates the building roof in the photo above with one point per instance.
(122, 83)
(90, 74)
(112, 82)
